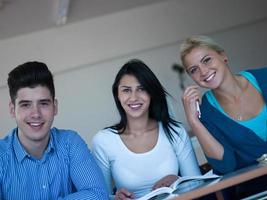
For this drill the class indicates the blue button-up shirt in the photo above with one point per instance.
(67, 170)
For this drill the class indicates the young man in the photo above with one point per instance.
(37, 161)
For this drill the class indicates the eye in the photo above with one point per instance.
(193, 70)
(141, 88)
(126, 90)
(25, 105)
(44, 103)
(206, 60)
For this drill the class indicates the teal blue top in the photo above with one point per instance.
(242, 146)
(258, 123)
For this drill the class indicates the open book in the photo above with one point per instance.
(181, 185)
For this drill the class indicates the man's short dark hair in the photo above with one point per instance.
(30, 74)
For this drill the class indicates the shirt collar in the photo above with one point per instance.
(51, 144)
(18, 148)
(21, 153)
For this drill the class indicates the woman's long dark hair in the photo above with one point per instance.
(158, 108)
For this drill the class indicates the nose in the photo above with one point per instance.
(203, 70)
(35, 111)
(133, 95)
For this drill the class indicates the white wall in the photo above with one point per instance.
(90, 98)
(86, 56)
(123, 33)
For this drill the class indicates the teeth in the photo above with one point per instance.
(35, 124)
(209, 78)
(135, 105)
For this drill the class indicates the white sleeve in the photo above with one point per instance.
(101, 157)
(188, 164)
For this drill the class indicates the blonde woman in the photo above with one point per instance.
(232, 129)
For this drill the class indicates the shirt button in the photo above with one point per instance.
(44, 186)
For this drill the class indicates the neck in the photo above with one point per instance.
(232, 90)
(34, 148)
(138, 127)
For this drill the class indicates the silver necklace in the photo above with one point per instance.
(239, 117)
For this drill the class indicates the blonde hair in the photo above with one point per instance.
(198, 41)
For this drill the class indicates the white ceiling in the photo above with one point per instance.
(19, 17)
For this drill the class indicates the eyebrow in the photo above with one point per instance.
(23, 101)
(28, 101)
(128, 87)
(124, 86)
(45, 100)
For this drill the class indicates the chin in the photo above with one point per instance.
(39, 138)
(135, 116)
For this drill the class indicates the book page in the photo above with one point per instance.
(159, 193)
(181, 185)
(208, 175)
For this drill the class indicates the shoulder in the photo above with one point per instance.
(258, 71)
(180, 134)
(259, 74)
(106, 145)
(64, 133)
(64, 137)
(6, 143)
(104, 137)
(181, 142)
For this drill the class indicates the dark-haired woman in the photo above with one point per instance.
(147, 148)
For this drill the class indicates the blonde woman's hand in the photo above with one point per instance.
(190, 96)
(166, 181)
(123, 194)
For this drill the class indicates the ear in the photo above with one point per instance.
(12, 109)
(224, 57)
(55, 107)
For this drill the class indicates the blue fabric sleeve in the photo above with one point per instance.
(1, 175)
(84, 172)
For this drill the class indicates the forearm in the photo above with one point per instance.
(90, 194)
(219, 152)
(86, 175)
(211, 147)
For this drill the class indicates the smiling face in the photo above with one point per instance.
(206, 66)
(34, 110)
(133, 98)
